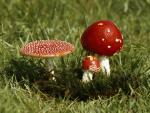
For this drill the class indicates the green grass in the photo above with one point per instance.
(23, 82)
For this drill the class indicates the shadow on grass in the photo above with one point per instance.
(67, 84)
(25, 70)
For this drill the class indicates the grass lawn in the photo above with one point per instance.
(25, 84)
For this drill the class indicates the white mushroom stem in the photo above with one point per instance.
(105, 66)
(50, 65)
(87, 76)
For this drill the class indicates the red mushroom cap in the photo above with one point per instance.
(47, 48)
(102, 38)
(91, 63)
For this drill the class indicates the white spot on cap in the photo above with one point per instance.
(90, 57)
(103, 39)
(120, 41)
(109, 46)
(117, 40)
(100, 24)
(108, 30)
(93, 63)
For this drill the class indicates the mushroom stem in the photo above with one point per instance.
(50, 65)
(87, 76)
(104, 61)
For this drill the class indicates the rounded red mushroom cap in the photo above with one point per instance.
(103, 38)
(47, 48)
(91, 63)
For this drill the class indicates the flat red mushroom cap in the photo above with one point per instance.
(91, 63)
(102, 38)
(47, 48)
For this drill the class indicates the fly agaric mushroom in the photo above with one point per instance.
(104, 39)
(90, 65)
(47, 49)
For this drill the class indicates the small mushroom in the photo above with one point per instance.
(90, 65)
(104, 39)
(47, 49)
